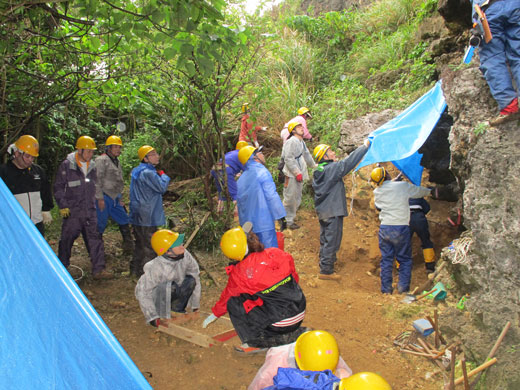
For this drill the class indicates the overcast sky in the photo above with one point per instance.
(252, 4)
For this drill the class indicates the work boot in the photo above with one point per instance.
(283, 224)
(128, 241)
(293, 226)
(103, 275)
(332, 276)
(430, 267)
(507, 114)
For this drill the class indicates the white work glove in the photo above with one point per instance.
(264, 128)
(367, 143)
(47, 217)
(209, 319)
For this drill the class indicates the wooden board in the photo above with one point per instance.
(188, 327)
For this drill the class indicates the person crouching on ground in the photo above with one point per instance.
(265, 303)
(315, 350)
(170, 281)
(330, 201)
(391, 199)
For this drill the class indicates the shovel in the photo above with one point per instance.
(409, 298)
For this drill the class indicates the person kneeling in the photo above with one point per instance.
(265, 303)
(170, 281)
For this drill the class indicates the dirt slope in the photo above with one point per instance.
(364, 322)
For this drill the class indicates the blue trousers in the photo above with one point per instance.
(503, 50)
(394, 242)
(268, 238)
(114, 210)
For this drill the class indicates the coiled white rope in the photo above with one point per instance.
(461, 247)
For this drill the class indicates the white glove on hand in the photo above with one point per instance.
(367, 143)
(47, 217)
(209, 319)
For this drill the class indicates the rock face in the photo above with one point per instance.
(485, 161)
(319, 6)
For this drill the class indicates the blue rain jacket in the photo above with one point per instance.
(295, 379)
(146, 190)
(258, 201)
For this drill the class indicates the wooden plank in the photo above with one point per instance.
(180, 325)
(187, 334)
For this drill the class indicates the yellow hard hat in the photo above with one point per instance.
(241, 144)
(28, 144)
(114, 140)
(364, 381)
(85, 142)
(292, 125)
(316, 350)
(245, 153)
(319, 152)
(164, 239)
(234, 244)
(143, 151)
(245, 107)
(378, 175)
(304, 110)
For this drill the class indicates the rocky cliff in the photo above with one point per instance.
(482, 164)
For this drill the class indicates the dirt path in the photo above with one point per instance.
(363, 321)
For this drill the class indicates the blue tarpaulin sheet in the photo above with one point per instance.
(50, 335)
(399, 140)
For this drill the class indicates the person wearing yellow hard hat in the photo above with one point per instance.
(75, 194)
(262, 295)
(330, 201)
(304, 114)
(109, 187)
(364, 381)
(391, 199)
(234, 169)
(314, 350)
(147, 186)
(296, 157)
(170, 281)
(247, 133)
(28, 182)
(257, 199)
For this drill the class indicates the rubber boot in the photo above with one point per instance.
(429, 259)
(128, 241)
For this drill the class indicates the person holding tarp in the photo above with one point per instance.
(28, 182)
(391, 199)
(170, 281)
(75, 193)
(497, 27)
(257, 199)
(314, 351)
(233, 170)
(330, 202)
(265, 302)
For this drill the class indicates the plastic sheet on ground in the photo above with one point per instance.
(399, 140)
(50, 335)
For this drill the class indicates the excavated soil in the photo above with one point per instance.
(363, 320)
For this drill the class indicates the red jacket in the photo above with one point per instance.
(256, 275)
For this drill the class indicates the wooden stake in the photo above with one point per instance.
(453, 356)
(477, 370)
(436, 328)
(494, 349)
(464, 372)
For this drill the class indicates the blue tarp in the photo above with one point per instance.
(50, 335)
(399, 140)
